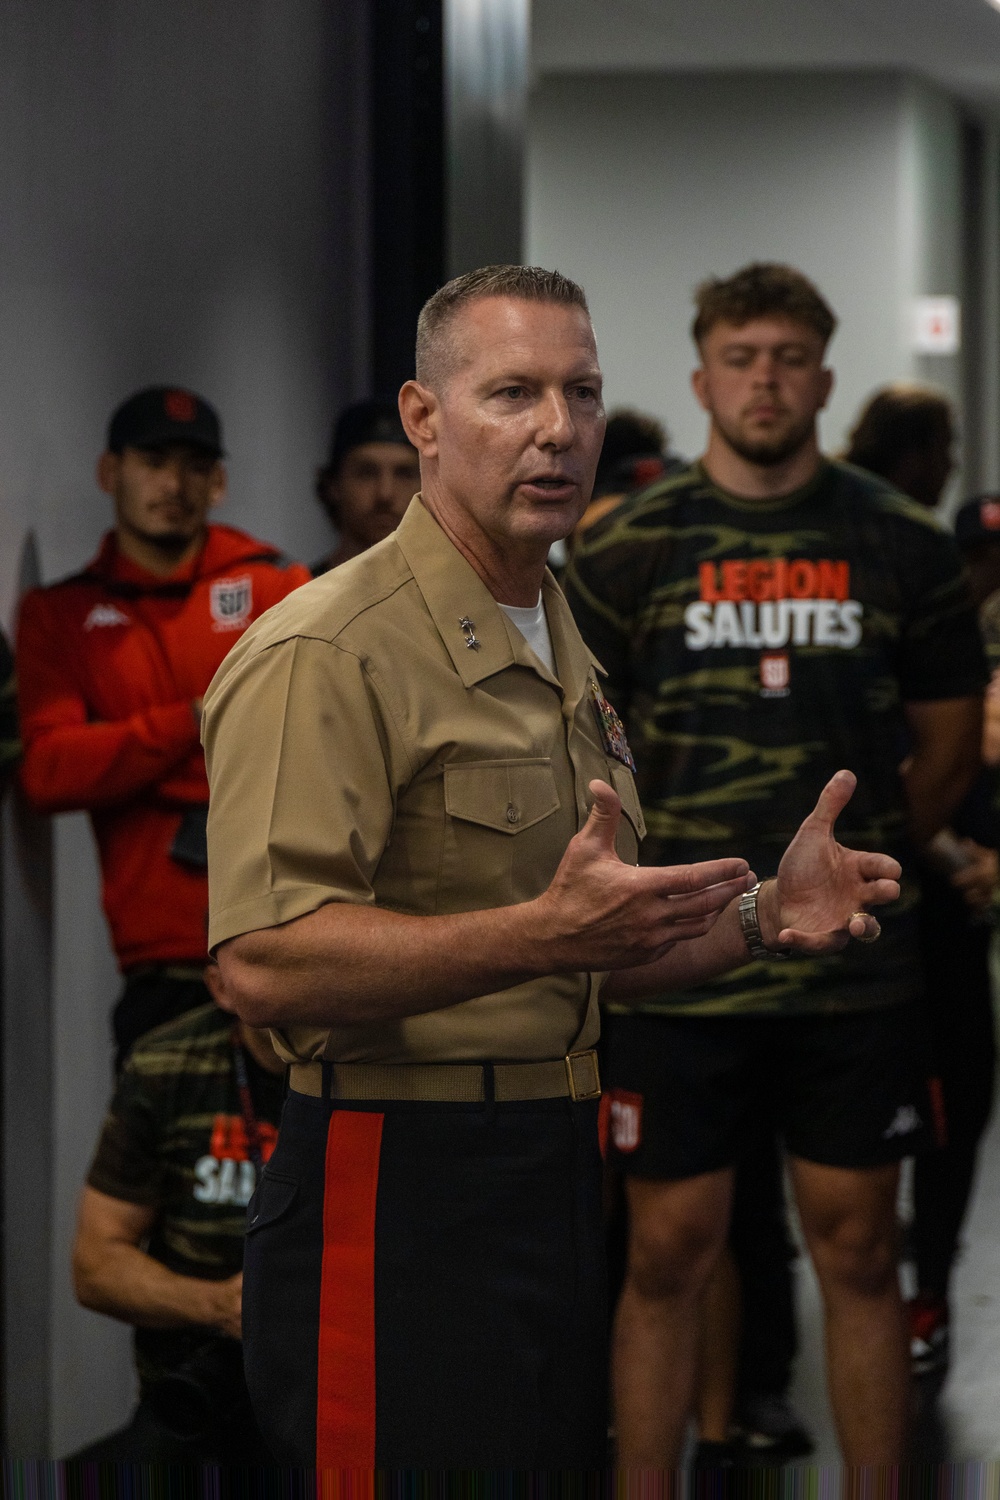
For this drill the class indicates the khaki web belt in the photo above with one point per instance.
(572, 1077)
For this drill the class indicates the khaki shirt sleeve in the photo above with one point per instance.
(303, 760)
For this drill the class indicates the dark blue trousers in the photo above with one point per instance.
(424, 1287)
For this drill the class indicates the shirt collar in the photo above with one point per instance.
(454, 592)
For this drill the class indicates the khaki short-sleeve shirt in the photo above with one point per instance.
(362, 749)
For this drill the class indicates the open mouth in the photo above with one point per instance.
(553, 484)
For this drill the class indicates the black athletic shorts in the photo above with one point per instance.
(424, 1287)
(844, 1090)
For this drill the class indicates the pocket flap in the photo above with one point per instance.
(507, 795)
(273, 1197)
(624, 785)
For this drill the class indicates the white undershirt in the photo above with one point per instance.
(535, 628)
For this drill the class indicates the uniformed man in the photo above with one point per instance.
(112, 665)
(422, 845)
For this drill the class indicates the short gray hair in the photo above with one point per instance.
(526, 283)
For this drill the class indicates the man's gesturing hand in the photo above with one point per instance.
(815, 905)
(600, 913)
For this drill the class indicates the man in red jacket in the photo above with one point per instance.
(112, 665)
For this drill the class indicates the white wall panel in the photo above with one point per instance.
(182, 191)
(640, 186)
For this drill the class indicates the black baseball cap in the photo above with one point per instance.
(162, 415)
(978, 520)
(374, 421)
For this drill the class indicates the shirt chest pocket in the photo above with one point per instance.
(504, 833)
(509, 796)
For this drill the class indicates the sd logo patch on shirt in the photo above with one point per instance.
(612, 729)
(231, 603)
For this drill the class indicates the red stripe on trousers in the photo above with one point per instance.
(345, 1404)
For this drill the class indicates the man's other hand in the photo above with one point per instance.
(600, 913)
(978, 880)
(226, 1306)
(818, 901)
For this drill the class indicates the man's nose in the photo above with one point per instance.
(555, 426)
(384, 488)
(765, 369)
(173, 476)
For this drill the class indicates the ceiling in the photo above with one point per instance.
(955, 43)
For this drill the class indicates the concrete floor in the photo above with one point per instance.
(958, 1419)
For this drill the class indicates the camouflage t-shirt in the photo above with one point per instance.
(174, 1139)
(754, 648)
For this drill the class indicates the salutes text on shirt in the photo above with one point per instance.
(772, 604)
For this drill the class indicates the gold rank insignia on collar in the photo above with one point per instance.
(612, 729)
(470, 633)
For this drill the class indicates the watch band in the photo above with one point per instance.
(750, 927)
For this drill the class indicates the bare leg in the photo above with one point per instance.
(676, 1232)
(719, 1352)
(849, 1221)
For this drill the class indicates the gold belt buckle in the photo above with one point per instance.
(582, 1075)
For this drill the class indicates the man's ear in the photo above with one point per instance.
(828, 378)
(699, 384)
(419, 411)
(326, 492)
(108, 468)
(219, 484)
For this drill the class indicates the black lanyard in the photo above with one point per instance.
(247, 1110)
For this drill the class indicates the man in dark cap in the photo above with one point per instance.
(369, 479)
(112, 665)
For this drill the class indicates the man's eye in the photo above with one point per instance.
(512, 391)
(585, 393)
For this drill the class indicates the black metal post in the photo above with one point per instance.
(408, 178)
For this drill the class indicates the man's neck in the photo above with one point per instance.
(752, 481)
(160, 561)
(513, 576)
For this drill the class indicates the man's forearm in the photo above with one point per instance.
(944, 762)
(934, 790)
(71, 766)
(344, 964)
(124, 1282)
(688, 963)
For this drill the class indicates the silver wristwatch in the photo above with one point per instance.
(750, 927)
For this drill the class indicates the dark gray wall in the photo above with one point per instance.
(182, 198)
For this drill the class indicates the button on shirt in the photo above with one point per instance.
(386, 736)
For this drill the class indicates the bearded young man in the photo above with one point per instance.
(111, 666)
(764, 618)
(420, 879)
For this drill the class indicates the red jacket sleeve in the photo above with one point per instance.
(70, 763)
